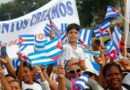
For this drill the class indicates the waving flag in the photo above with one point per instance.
(56, 30)
(39, 45)
(51, 49)
(102, 30)
(110, 51)
(91, 63)
(64, 37)
(26, 43)
(111, 13)
(85, 37)
(26, 39)
(81, 82)
(47, 30)
(116, 37)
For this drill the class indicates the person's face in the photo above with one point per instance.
(72, 35)
(73, 71)
(52, 34)
(15, 86)
(27, 75)
(113, 78)
(95, 46)
(9, 79)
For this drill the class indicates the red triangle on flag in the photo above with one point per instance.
(22, 55)
(21, 40)
(59, 45)
(112, 55)
(101, 30)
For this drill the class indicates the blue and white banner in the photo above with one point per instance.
(59, 11)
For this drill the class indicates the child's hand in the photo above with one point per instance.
(99, 60)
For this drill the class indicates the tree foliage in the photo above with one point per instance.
(89, 10)
(93, 10)
(18, 8)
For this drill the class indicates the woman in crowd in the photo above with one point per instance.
(113, 76)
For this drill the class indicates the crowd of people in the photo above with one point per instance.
(71, 65)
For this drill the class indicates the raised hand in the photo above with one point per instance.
(125, 64)
(60, 71)
(99, 60)
(3, 60)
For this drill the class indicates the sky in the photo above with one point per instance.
(4, 1)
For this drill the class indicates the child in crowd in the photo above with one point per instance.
(71, 49)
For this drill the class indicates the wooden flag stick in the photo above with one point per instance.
(126, 23)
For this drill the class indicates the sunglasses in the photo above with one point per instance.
(74, 71)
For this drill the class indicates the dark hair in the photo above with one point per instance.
(27, 64)
(10, 75)
(98, 42)
(108, 66)
(73, 26)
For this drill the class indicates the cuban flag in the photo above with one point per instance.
(51, 49)
(81, 82)
(111, 13)
(85, 37)
(110, 51)
(47, 30)
(102, 30)
(91, 64)
(39, 45)
(56, 30)
(116, 37)
(64, 37)
(27, 39)
(26, 44)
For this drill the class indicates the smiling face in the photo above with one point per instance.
(73, 71)
(113, 78)
(72, 35)
(27, 75)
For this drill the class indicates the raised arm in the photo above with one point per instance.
(61, 77)
(4, 81)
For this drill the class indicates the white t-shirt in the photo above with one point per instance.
(69, 52)
(34, 86)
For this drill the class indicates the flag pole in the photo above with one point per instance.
(126, 26)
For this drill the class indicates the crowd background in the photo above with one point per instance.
(72, 72)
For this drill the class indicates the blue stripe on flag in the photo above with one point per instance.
(28, 35)
(47, 30)
(85, 36)
(116, 37)
(39, 45)
(46, 63)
